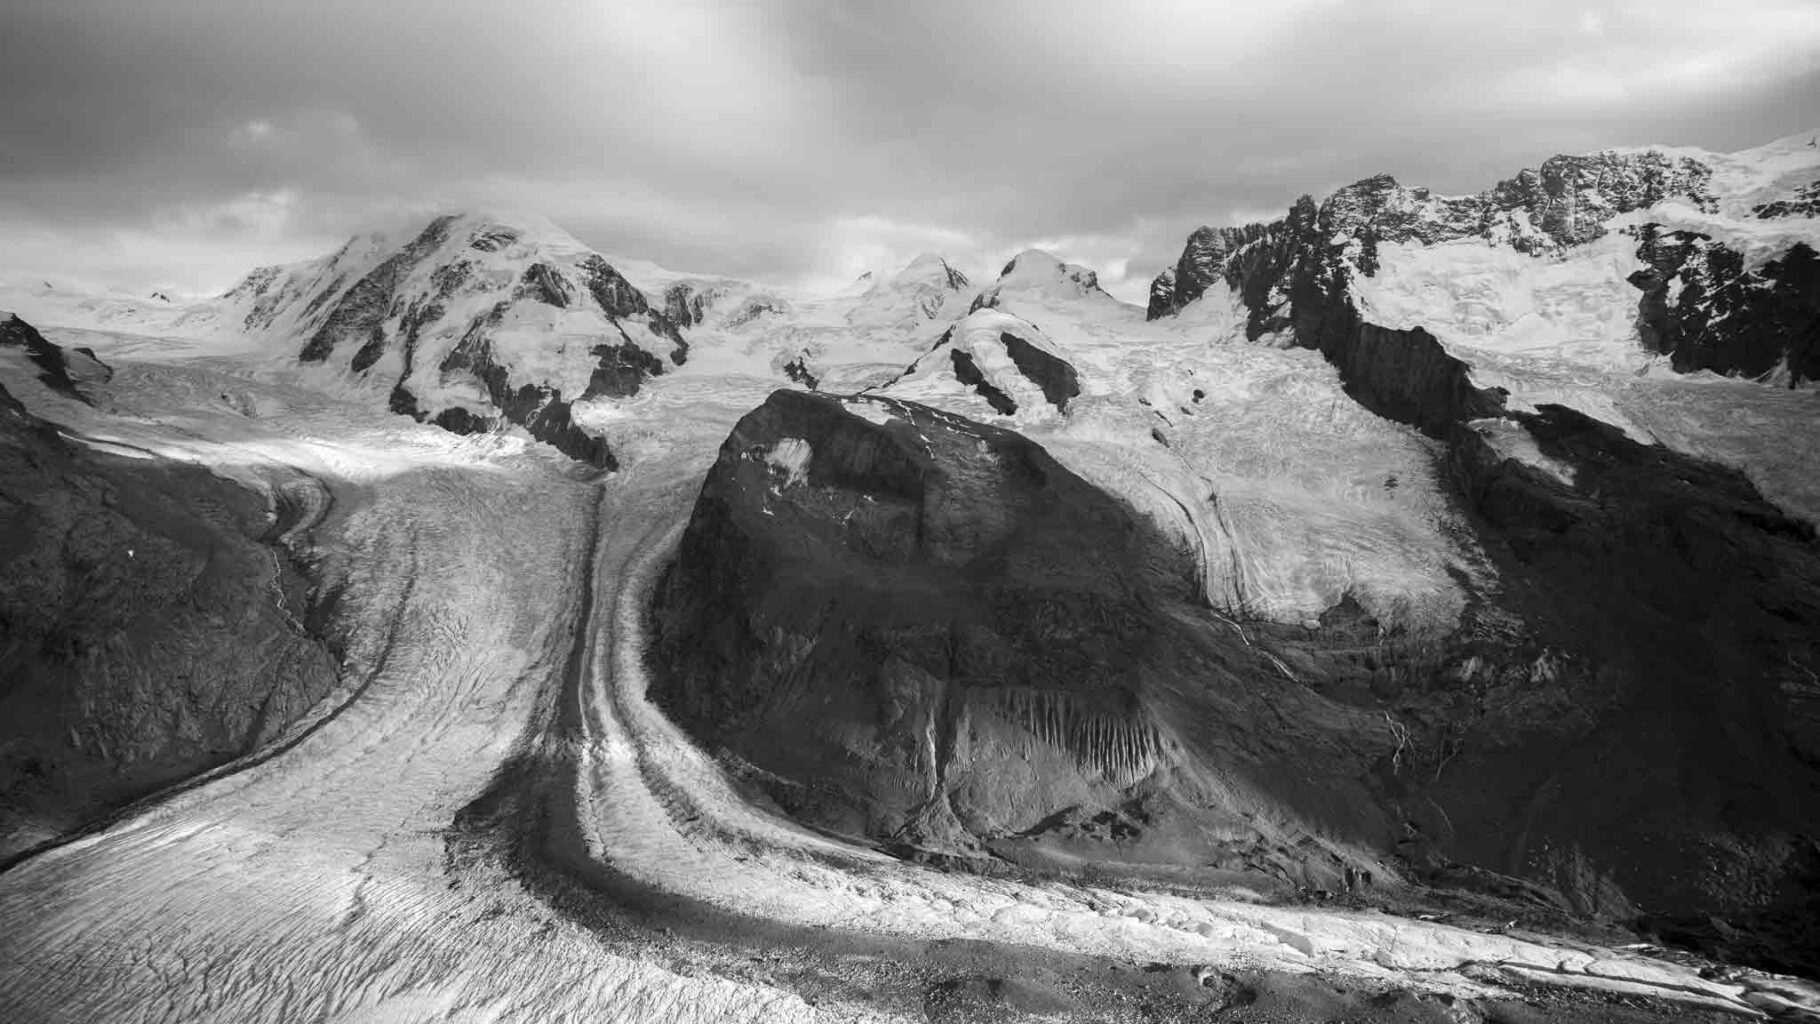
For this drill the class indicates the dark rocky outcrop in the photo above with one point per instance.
(950, 278)
(457, 420)
(65, 371)
(798, 370)
(454, 419)
(495, 238)
(686, 302)
(1805, 202)
(1401, 375)
(1723, 316)
(150, 628)
(968, 372)
(620, 301)
(1162, 295)
(929, 632)
(1203, 262)
(1056, 376)
(361, 313)
(546, 285)
(543, 411)
(621, 370)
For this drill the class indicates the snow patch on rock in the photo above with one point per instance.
(790, 456)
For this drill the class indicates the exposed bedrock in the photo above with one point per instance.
(150, 628)
(542, 410)
(968, 372)
(1402, 375)
(926, 631)
(1055, 375)
(1702, 306)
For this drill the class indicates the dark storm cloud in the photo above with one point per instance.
(803, 139)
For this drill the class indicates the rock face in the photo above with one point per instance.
(1805, 202)
(686, 303)
(474, 321)
(927, 631)
(149, 629)
(1705, 308)
(1701, 300)
(1162, 294)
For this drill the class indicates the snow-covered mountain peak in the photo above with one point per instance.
(928, 288)
(470, 319)
(1039, 278)
(929, 268)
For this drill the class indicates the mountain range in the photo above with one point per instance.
(1463, 543)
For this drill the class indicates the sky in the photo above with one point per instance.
(177, 144)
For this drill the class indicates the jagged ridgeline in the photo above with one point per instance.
(1724, 283)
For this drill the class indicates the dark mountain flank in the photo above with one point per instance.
(153, 625)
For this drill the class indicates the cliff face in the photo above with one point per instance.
(1707, 309)
(474, 321)
(151, 627)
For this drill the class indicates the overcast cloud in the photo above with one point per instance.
(178, 143)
